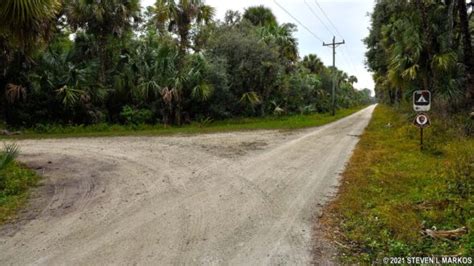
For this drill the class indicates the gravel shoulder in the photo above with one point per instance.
(227, 198)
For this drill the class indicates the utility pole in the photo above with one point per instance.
(334, 45)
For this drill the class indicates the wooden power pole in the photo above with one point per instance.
(334, 45)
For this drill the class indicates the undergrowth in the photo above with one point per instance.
(202, 126)
(15, 180)
(392, 191)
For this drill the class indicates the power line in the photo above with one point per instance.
(320, 20)
(349, 63)
(327, 17)
(297, 21)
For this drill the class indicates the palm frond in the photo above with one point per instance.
(202, 92)
(69, 96)
(251, 98)
(444, 61)
(15, 93)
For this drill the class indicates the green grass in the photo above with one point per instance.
(105, 130)
(392, 191)
(15, 180)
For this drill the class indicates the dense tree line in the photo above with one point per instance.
(423, 45)
(87, 61)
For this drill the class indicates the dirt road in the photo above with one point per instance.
(230, 198)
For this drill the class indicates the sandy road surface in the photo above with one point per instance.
(231, 198)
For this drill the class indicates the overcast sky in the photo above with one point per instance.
(348, 16)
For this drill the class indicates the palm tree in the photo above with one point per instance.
(179, 18)
(103, 19)
(342, 76)
(283, 37)
(467, 47)
(24, 27)
(70, 82)
(260, 16)
(157, 74)
(352, 80)
(313, 63)
(25, 24)
(232, 17)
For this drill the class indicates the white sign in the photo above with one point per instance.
(422, 121)
(422, 101)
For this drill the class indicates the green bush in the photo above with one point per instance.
(133, 116)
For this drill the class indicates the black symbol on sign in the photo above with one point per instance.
(422, 98)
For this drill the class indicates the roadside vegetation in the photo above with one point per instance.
(77, 62)
(395, 199)
(392, 193)
(15, 180)
(204, 126)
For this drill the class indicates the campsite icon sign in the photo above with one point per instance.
(422, 101)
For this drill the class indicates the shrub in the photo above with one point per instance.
(133, 116)
(7, 156)
(14, 179)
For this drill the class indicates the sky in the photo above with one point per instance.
(349, 18)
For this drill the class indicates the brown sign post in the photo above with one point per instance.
(422, 103)
(422, 121)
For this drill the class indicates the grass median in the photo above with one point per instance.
(392, 193)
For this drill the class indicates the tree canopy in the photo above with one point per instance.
(173, 63)
(422, 45)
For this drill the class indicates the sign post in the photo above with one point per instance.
(422, 121)
(422, 103)
(421, 138)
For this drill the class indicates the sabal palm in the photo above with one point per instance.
(103, 19)
(352, 80)
(313, 63)
(342, 76)
(283, 37)
(24, 24)
(24, 28)
(179, 17)
(260, 16)
(157, 74)
(71, 83)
